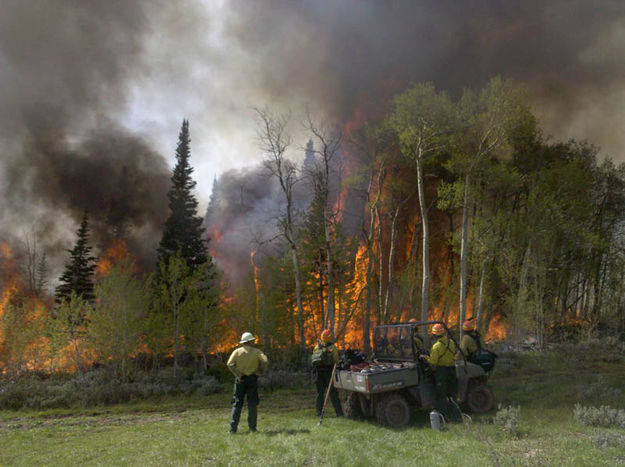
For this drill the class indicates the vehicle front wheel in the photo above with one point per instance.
(480, 398)
(352, 407)
(393, 411)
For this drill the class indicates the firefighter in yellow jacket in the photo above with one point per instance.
(442, 360)
(325, 356)
(471, 341)
(246, 363)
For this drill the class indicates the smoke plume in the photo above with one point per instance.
(568, 53)
(65, 72)
(94, 92)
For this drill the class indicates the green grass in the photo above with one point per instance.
(193, 430)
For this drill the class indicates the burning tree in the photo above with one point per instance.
(424, 121)
(274, 141)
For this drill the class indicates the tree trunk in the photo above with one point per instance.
(480, 296)
(380, 304)
(176, 332)
(322, 306)
(298, 293)
(463, 256)
(330, 273)
(426, 249)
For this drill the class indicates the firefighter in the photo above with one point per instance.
(325, 356)
(471, 341)
(246, 363)
(417, 339)
(442, 359)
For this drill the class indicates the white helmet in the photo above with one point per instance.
(247, 337)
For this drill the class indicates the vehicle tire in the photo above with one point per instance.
(393, 411)
(480, 398)
(352, 407)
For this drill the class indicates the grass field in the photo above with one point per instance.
(193, 430)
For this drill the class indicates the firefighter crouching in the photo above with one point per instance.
(325, 356)
(246, 363)
(442, 359)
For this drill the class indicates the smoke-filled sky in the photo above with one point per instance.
(92, 93)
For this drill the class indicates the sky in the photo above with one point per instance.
(93, 93)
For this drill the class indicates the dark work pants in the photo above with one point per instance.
(322, 380)
(446, 391)
(246, 385)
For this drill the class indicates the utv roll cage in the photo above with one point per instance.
(399, 342)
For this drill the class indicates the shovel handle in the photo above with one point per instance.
(325, 401)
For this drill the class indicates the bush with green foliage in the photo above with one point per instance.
(97, 388)
(603, 416)
(508, 418)
(599, 391)
(221, 372)
(280, 379)
(605, 440)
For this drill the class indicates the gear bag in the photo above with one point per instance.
(482, 357)
(322, 356)
(485, 359)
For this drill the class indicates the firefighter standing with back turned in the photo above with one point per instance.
(471, 341)
(325, 356)
(442, 359)
(246, 363)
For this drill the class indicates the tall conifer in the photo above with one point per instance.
(183, 229)
(79, 270)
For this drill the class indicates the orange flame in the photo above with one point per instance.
(113, 254)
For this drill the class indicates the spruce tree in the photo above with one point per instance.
(183, 229)
(79, 270)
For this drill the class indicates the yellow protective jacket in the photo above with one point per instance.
(468, 345)
(443, 352)
(247, 360)
(330, 348)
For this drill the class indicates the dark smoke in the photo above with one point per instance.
(340, 56)
(65, 68)
(242, 217)
(337, 53)
(71, 69)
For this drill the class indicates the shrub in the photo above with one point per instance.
(599, 391)
(608, 440)
(205, 385)
(508, 418)
(97, 388)
(603, 416)
(275, 379)
(280, 379)
(220, 372)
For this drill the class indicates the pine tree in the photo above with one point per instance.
(183, 229)
(310, 159)
(79, 271)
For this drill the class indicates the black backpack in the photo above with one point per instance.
(483, 357)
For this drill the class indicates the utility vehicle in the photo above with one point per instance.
(395, 381)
